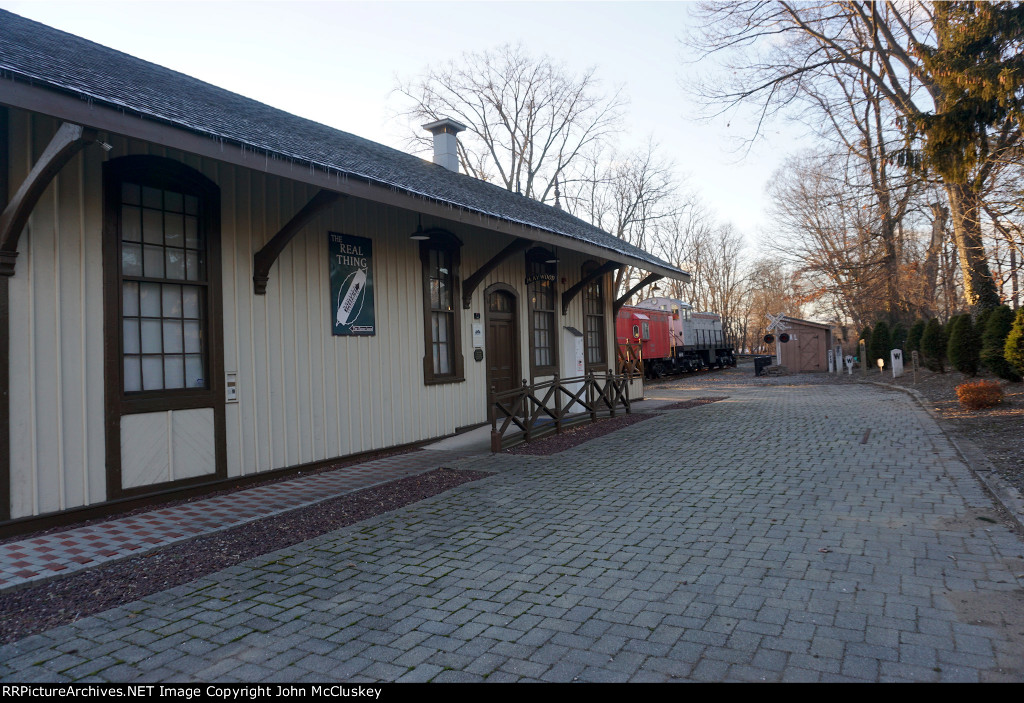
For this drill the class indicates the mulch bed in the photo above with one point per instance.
(568, 439)
(265, 481)
(60, 601)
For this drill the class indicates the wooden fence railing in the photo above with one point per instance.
(542, 408)
(629, 359)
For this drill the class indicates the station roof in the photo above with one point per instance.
(46, 58)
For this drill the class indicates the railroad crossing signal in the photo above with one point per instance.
(778, 322)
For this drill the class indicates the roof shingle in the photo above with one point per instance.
(30, 51)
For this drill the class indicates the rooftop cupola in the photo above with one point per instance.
(446, 148)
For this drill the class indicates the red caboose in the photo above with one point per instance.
(648, 328)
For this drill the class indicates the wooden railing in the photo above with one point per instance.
(629, 359)
(532, 411)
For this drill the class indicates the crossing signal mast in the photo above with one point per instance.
(778, 324)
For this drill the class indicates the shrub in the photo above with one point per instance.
(981, 320)
(964, 346)
(898, 336)
(993, 343)
(933, 346)
(1013, 351)
(979, 394)
(880, 347)
(914, 337)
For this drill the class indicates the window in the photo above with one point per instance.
(593, 318)
(541, 276)
(163, 224)
(442, 360)
(163, 290)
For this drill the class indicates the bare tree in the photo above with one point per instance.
(631, 195)
(771, 287)
(682, 240)
(529, 119)
(829, 235)
(907, 52)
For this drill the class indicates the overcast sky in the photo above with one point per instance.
(337, 63)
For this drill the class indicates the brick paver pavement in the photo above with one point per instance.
(796, 533)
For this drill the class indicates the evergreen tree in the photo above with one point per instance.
(1013, 352)
(976, 68)
(914, 336)
(898, 336)
(993, 343)
(981, 320)
(964, 346)
(880, 346)
(933, 345)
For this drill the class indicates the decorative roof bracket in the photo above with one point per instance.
(470, 284)
(68, 141)
(568, 295)
(265, 257)
(617, 305)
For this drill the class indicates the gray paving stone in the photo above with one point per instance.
(591, 565)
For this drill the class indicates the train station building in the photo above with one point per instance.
(197, 287)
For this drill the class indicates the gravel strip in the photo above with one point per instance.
(37, 608)
(555, 443)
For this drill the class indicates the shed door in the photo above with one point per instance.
(810, 352)
(501, 342)
(162, 309)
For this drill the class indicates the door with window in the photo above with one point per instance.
(164, 365)
(502, 340)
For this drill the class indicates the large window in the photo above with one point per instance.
(163, 346)
(163, 290)
(593, 318)
(163, 222)
(442, 361)
(541, 277)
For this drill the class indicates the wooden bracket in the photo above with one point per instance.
(265, 257)
(571, 293)
(617, 305)
(68, 141)
(470, 284)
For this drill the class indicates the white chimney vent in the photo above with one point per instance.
(446, 149)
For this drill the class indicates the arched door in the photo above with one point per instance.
(502, 339)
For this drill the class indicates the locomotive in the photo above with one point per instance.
(672, 337)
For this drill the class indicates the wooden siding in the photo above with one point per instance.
(303, 394)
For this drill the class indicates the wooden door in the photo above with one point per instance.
(501, 342)
(810, 352)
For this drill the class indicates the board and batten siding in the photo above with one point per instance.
(303, 395)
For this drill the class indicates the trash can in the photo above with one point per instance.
(761, 363)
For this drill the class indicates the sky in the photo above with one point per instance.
(338, 62)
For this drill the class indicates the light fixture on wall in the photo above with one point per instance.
(419, 235)
(552, 258)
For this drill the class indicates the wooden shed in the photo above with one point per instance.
(807, 348)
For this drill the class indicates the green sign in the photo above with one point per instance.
(351, 262)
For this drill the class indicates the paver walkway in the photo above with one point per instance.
(38, 558)
(769, 536)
